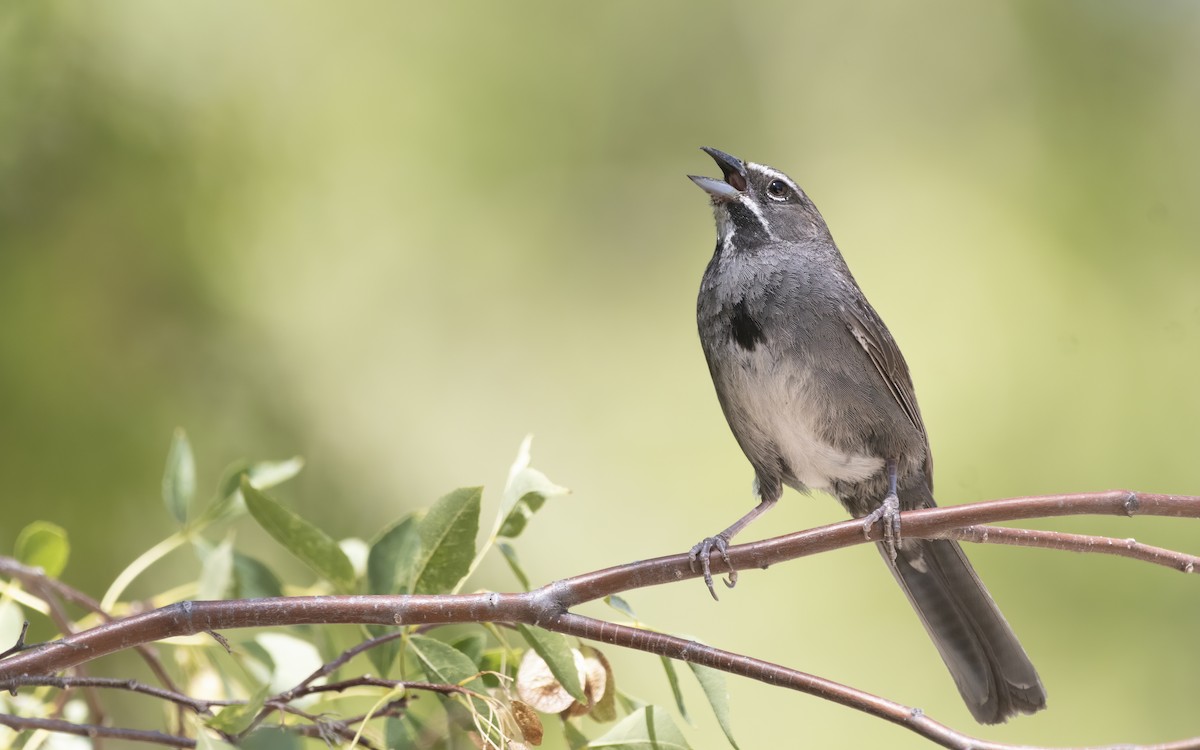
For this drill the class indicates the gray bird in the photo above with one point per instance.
(819, 398)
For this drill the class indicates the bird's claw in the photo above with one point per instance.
(888, 516)
(702, 553)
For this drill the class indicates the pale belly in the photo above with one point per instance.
(781, 411)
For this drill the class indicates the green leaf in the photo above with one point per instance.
(44, 545)
(205, 741)
(179, 478)
(227, 499)
(267, 474)
(472, 647)
(712, 681)
(314, 547)
(390, 561)
(252, 579)
(673, 678)
(236, 719)
(271, 738)
(398, 732)
(524, 493)
(620, 605)
(231, 479)
(555, 650)
(447, 534)
(510, 556)
(216, 571)
(648, 728)
(263, 475)
(441, 662)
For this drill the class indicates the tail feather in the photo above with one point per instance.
(992, 672)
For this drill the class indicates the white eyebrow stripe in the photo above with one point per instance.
(776, 174)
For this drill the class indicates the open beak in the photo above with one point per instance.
(735, 176)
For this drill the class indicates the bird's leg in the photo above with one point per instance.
(702, 552)
(887, 514)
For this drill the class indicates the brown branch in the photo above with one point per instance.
(36, 580)
(66, 683)
(1086, 543)
(25, 723)
(548, 605)
(913, 719)
(329, 667)
(62, 621)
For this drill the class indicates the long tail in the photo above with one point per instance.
(992, 672)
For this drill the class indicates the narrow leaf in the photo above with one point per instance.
(216, 572)
(179, 478)
(252, 579)
(510, 556)
(44, 545)
(472, 647)
(447, 534)
(236, 719)
(314, 547)
(399, 733)
(673, 678)
(441, 662)
(524, 493)
(648, 728)
(267, 474)
(205, 741)
(228, 497)
(271, 738)
(556, 651)
(620, 605)
(712, 681)
(390, 561)
(263, 475)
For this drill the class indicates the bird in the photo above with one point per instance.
(819, 397)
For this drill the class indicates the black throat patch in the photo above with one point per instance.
(746, 331)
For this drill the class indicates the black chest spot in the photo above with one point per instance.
(746, 331)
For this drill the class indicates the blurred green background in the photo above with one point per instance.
(396, 237)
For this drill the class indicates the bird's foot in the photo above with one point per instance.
(888, 516)
(702, 553)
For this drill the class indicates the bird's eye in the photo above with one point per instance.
(778, 190)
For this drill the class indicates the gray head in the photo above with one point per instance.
(756, 204)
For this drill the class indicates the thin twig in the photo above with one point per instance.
(198, 705)
(20, 645)
(548, 606)
(1086, 543)
(330, 666)
(62, 621)
(908, 717)
(26, 723)
(36, 577)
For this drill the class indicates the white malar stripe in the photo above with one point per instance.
(755, 209)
